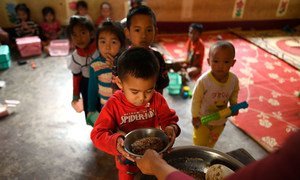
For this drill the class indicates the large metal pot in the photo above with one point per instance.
(197, 159)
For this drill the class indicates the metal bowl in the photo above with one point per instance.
(137, 134)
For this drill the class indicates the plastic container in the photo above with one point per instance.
(5, 61)
(29, 46)
(59, 47)
(175, 83)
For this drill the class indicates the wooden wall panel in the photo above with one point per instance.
(36, 10)
(166, 10)
(94, 8)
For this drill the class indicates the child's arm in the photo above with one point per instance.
(120, 148)
(76, 86)
(167, 119)
(110, 60)
(104, 134)
(188, 50)
(200, 52)
(18, 29)
(196, 103)
(92, 90)
(172, 131)
(77, 76)
(163, 78)
(198, 55)
(93, 112)
(33, 27)
(196, 122)
(76, 93)
(234, 96)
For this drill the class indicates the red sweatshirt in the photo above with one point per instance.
(120, 115)
(197, 49)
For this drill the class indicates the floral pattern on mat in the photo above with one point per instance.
(279, 43)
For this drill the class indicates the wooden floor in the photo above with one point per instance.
(46, 139)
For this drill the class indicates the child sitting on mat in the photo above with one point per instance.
(51, 28)
(195, 52)
(25, 26)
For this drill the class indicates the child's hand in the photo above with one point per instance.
(171, 133)
(77, 105)
(113, 79)
(24, 25)
(109, 60)
(120, 148)
(235, 113)
(196, 122)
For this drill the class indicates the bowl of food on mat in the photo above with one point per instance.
(138, 141)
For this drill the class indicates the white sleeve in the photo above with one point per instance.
(197, 99)
(74, 66)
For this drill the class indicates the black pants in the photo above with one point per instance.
(84, 84)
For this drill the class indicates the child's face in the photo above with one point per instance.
(137, 91)
(221, 60)
(105, 11)
(193, 34)
(49, 17)
(82, 11)
(108, 44)
(81, 36)
(22, 15)
(141, 31)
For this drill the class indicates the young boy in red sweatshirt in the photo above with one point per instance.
(136, 105)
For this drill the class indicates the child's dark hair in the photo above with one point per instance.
(46, 10)
(23, 7)
(79, 21)
(144, 10)
(222, 45)
(138, 62)
(198, 27)
(115, 28)
(81, 4)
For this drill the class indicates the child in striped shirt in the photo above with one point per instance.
(25, 26)
(111, 41)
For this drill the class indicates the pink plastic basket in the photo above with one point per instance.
(29, 46)
(59, 47)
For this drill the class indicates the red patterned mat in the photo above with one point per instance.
(267, 83)
(282, 44)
